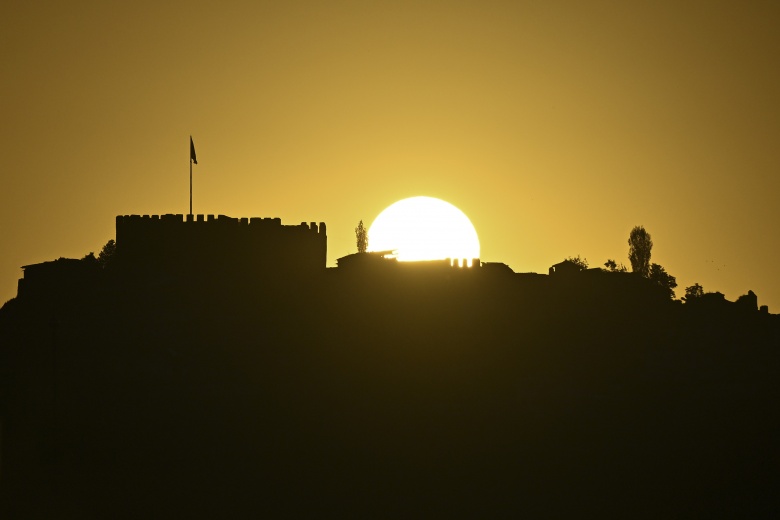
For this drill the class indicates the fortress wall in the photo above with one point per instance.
(206, 244)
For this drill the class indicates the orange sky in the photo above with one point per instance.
(555, 126)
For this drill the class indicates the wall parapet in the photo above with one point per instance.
(209, 219)
(177, 242)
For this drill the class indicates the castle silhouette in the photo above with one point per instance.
(216, 367)
(209, 249)
(190, 247)
(207, 244)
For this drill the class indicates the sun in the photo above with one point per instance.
(424, 228)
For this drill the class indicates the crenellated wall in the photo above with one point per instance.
(218, 245)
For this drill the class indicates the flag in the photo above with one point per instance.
(192, 152)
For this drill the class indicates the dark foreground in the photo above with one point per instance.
(413, 397)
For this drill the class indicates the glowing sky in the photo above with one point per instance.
(555, 126)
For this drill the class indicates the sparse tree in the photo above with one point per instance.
(639, 247)
(581, 262)
(361, 235)
(660, 277)
(107, 254)
(614, 267)
(693, 292)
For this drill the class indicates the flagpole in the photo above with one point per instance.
(190, 175)
(193, 159)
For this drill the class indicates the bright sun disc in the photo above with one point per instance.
(424, 228)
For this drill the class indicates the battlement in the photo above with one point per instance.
(211, 220)
(213, 245)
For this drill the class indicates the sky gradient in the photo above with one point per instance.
(555, 126)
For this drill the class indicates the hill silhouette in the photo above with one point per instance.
(377, 389)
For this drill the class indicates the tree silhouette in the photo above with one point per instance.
(614, 267)
(639, 246)
(693, 292)
(581, 262)
(660, 277)
(107, 254)
(361, 235)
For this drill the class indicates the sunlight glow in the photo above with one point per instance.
(424, 228)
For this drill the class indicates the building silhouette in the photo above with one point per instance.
(209, 250)
(177, 248)
(208, 245)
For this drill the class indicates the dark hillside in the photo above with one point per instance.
(405, 395)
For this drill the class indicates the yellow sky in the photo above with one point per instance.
(555, 126)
